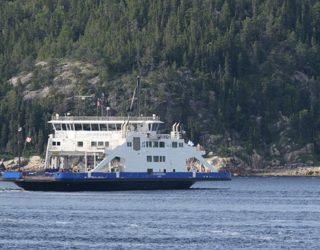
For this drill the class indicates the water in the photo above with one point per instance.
(246, 213)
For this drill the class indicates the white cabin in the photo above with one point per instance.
(120, 144)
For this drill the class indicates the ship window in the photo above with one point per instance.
(174, 144)
(118, 126)
(64, 127)
(149, 158)
(155, 144)
(103, 127)
(80, 143)
(112, 127)
(161, 144)
(174, 170)
(100, 143)
(156, 158)
(77, 126)
(144, 144)
(58, 143)
(129, 144)
(54, 143)
(180, 144)
(93, 144)
(95, 127)
(58, 126)
(149, 144)
(164, 171)
(162, 158)
(86, 127)
(106, 143)
(149, 126)
(155, 126)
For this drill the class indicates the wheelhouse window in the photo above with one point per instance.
(95, 127)
(129, 144)
(155, 126)
(155, 144)
(156, 158)
(57, 126)
(161, 144)
(180, 144)
(86, 127)
(103, 127)
(77, 126)
(70, 127)
(93, 144)
(80, 143)
(112, 127)
(174, 144)
(100, 144)
(149, 158)
(107, 144)
(58, 143)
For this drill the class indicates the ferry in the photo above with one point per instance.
(102, 153)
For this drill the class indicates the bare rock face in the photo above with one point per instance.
(294, 156)
(256, 160)
(36, 94)
(274, 151)
(34, 163)
(13, 164)
(24, 78)
(56, 78)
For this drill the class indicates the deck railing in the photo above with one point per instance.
(105, 118)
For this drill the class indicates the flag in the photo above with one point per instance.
(28, 139)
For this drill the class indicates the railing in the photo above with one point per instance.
(105, 118)
(159, 136)
(176, 135)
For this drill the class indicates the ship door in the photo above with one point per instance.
(136, 143)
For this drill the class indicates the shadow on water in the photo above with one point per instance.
(10, 189)
(213, 188)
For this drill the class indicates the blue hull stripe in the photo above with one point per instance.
(223, 175)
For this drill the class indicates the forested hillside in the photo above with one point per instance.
(241, 75)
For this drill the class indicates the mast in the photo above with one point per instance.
(136, 92)
(138, 95)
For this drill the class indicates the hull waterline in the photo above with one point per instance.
(103, 185)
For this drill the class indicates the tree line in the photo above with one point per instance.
(252, 62)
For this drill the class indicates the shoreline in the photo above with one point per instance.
(298, 172)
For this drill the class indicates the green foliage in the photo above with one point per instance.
(249, 60)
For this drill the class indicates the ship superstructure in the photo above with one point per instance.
(120, 144)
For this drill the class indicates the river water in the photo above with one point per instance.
(246, 213)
